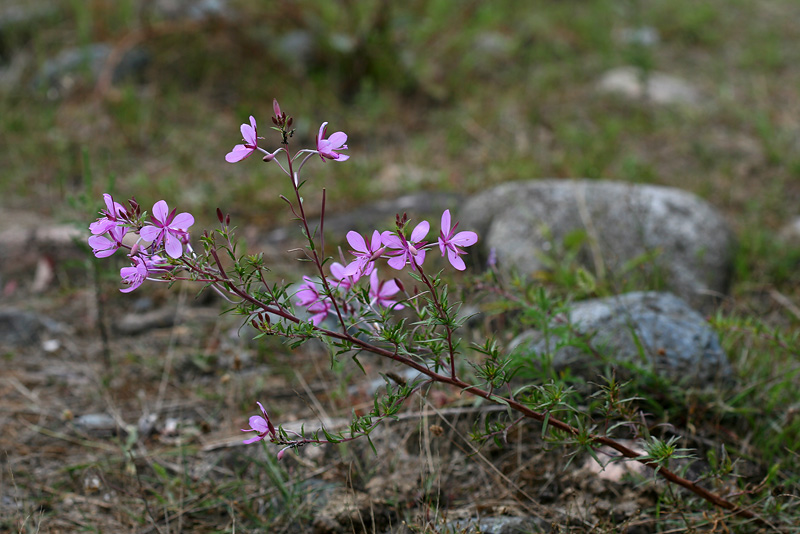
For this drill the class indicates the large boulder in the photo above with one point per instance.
(687, 243)
(654, 330)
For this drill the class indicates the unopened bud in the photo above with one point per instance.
(400, 285)
(289, 122)
(219, 215)
(228, 220)
(135, 249)
(377, 254)
(276, 107)
(268, 158)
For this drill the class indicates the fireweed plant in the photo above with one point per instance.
(351, 306)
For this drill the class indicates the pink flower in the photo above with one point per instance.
(317, 305)
(365, 253)
(250, 137)
(380, 292)
(143, 266)
(342, 279)
(103, 246)
(168, 228)
(260, 425)
(111, 216)
(133, 276)
(449, 241)
(327, 147)
(408, 250)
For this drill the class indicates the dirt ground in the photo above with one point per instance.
(122, 414)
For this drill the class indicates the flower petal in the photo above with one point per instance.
(465, 239)
(398, 262)
(238, 153)
(173, 246)
(161, 211)
(151, 233)
(182, 221)
(356, 241)
(337, 140)
(420, 231)
(455, 260)
(446, 222)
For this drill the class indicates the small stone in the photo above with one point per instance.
(790, 233)
(97, 423)
(656, 330)
(657, 87)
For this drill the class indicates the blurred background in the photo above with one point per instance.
(145, 98)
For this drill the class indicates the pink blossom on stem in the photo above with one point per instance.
(343, 280)
(365, 252)
(143, 266)
(250, 137)
(407, 250)
(135, 275)
(317, 305)
(449, 241)
(380, 291)
(168, 228)
(104, 246)
(111, 215)
(327, 147)
(260, 425)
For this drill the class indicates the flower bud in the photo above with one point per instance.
(268, 158)
(276, 107)
(219, 215)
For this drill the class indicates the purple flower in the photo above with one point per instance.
(103, 246)
(168, 228)
(135, 275)
(317, 305)
(260, 425)
(343, 280)
(365, 253)
(327, 147)
(250, 137)
(111, 216)
(408, 250)
(449, 241)
(143, 266)
(380, 292)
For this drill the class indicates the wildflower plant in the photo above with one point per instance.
(353, 307)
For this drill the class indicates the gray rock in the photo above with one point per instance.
(690, 243)
(790, 233)
(27, 240)
(655, 330)
(498, 525)
(100, 424)
(192, 9)
(657, 87)
(641, 36)
(60, 73)
(20, 327)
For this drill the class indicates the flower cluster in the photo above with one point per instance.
(165, 233)
(158, 245)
